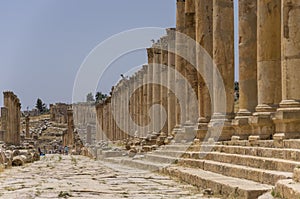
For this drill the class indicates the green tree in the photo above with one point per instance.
(42, 107)
(90, 97)
(100, 96)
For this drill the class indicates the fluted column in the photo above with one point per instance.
(190, 70)
(164, 82)
(223, 57)
(70, 136)
(247, 67)
(288, 115)
(268, 66)
(171, 80)
(179, 64)
(144, 99)
(156, 86)
(27, 119)
(150, 86)
(204, 37)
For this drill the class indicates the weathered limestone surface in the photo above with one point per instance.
(223, 56)
(58, 112)
(268, 66)
(190, 70)
(171, 80)
(204, 36)
(10, 118)
(180, 63)
(81, 177)
(287, 117)
(247, 67)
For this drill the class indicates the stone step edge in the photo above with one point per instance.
(246, 156)
(220, 184)
(201, 165)
(287, 189)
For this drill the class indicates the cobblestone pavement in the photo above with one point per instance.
(58, 176)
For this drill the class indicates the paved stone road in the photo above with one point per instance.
(58, 176)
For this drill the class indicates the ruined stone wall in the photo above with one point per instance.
(58, 112)
(10, 118)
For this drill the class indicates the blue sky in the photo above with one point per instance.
(43, 43)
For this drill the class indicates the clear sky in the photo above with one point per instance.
(43, 43)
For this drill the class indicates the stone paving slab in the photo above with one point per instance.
(57, 176)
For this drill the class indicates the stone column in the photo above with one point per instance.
(140, 100)
(105, 120)
(156, 86)
(150, 86)
(287, 117)
(204, 37)
(164, 81)
(223, 56)
(70, 136)
(171, 80)
(190, 70)
(179, 64)
(268, 66)
(4, 121)
(89, 134)
(247, 67)
(144, 98)
(27, 119)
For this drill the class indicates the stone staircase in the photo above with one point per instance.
(234, 169)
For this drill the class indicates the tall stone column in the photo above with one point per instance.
(179, 64)
(171, 80)
(223, 56)
(4, 121)
(140, 101)
(70, 133)
(156, 86)
(27, 119)
(268, 66)
(190, 70)
(164, 81)
(204, 37)
(89, 134)
(287, 118)
(145, 97)
(150, 85)
(247, 67)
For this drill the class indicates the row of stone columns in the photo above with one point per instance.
(10, 118)
(268, 74)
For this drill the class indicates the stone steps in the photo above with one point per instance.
(280, 153)
(290, 143)
(228, 187)
(140, 164)
(287, 189)
(250, 161)
(227, 169)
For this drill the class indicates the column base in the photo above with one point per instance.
(184, 133)
(262, 125)
(242, 126)
(287, 122)
(202, 128)
(220, 127)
